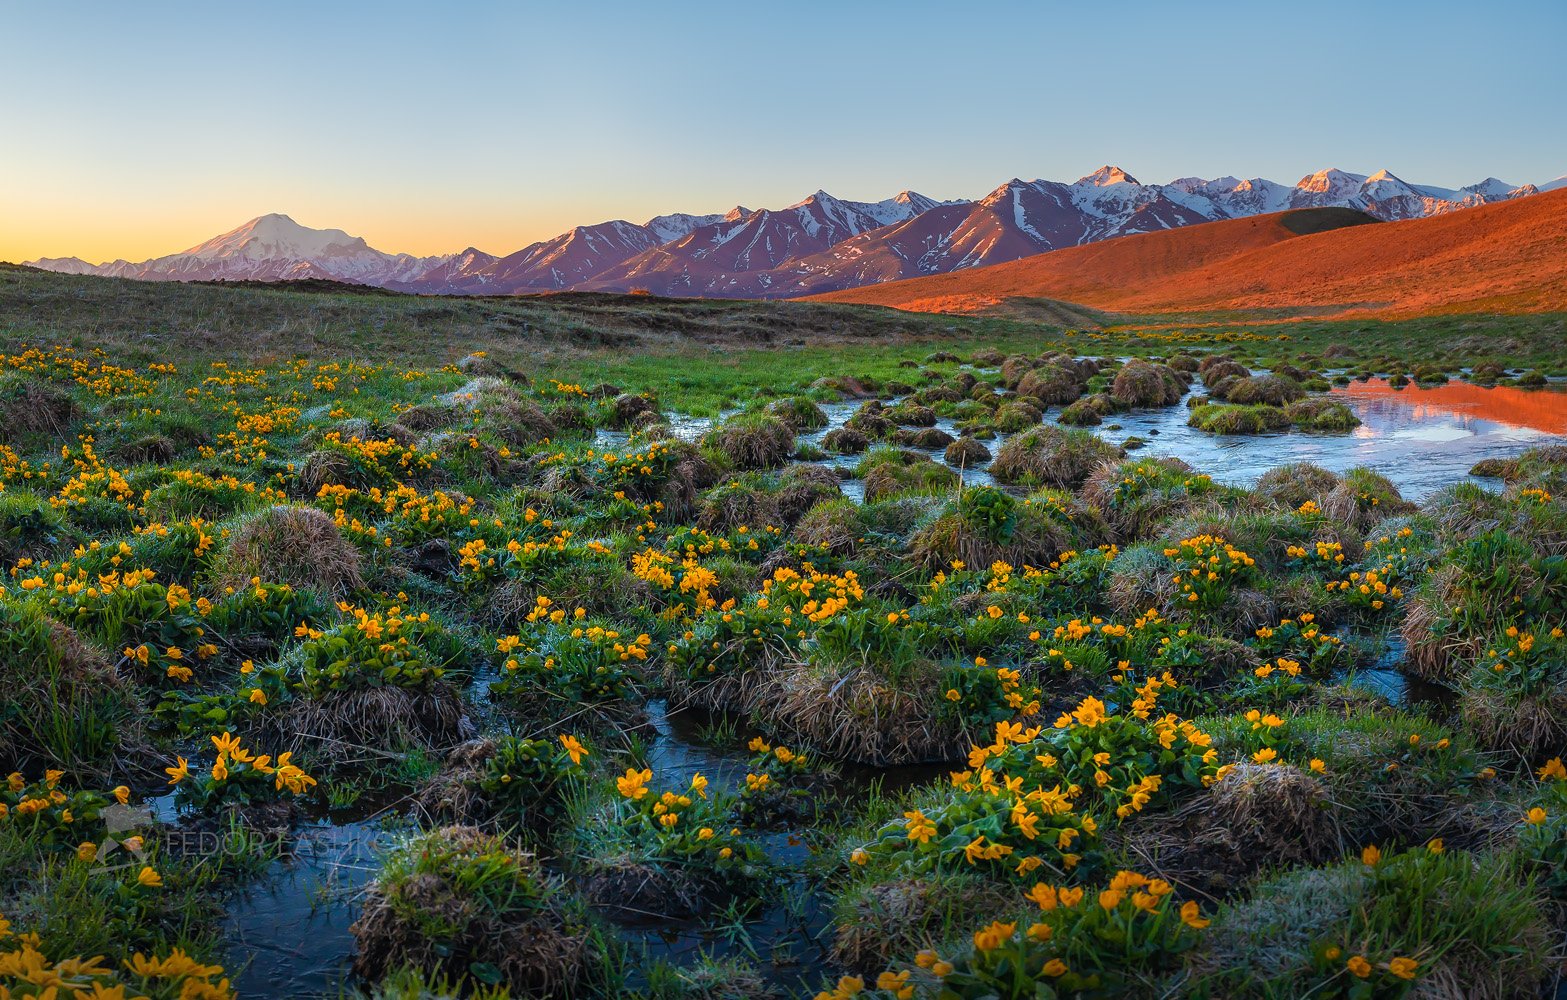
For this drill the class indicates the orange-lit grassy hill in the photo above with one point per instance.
(1509, 257)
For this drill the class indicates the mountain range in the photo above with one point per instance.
(1508, 257)
(820, 244)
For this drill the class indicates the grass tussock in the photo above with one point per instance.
(299, 546)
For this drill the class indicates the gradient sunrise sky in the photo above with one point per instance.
(136, 130)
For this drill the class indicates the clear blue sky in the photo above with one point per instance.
(139, 129)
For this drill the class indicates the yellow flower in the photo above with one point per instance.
(1535, 816)
(1054, 968)
(634, 784)
(994, 936)
(180, 773)
(1435, 846)
(87, 850)
(1553, 769)
(1403, 968)
(1359, 966)
(1043, 895)
(1191, 915)
(122, 795)
(1317, 765)
(574, 747)
(149, 878)
(1371, 855)
(1265, 755)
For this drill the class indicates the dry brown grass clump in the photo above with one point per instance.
(625, 408)
(891, 471)
(1148, 512)
(1289, 486)
(154, 449)
(1141, 583)
(1144, 383)
(299, 546)
(691, 474)
(633, 890)
(966, 452)
(1531, 728)
(425, 911)
(846, 441)
(65, 705)
(1433, 648)
(363, 726)
(1277, 808)
(1050, 456)
(1363, 499)
(599, 586)
(858, 715)
(1268, 390)
(452, 796)
(755, 440)
(1258, 816)
(323, 467)
(428, 417)
(881, 923)
(799, 488)
(1053, 385)
(519, 422)
(29, 407)
(833, 524)
(1037, 539)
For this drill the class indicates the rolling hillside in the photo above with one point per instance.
(1509, 257)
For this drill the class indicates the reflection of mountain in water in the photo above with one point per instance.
(1542, 410)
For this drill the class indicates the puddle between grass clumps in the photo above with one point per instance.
(288, 932)
(1385, 678)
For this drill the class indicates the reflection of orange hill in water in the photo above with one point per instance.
(1541, 409)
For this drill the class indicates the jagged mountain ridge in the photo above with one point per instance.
(819, 244)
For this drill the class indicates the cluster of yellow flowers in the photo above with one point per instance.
(384, 454)
(695, 584)
(93, 479)
(818, 596)
(285, 774)
(25, 971)
(1331, 553)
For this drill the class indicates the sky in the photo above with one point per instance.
(137, 130)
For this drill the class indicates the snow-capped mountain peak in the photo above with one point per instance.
(671, 227)
(1331, 183)
(1106, 176)
(277, 237)
(1495, 190)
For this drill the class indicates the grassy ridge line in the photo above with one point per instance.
(706, 353)
(131, 318)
